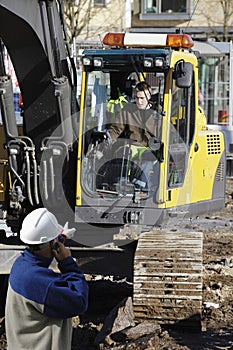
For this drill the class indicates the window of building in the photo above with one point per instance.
(165, 9)
(99, 2)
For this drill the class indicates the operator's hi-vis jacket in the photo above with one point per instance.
(41, 303)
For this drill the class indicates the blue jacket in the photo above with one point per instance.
(41, 302)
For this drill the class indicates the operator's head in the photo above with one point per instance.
(143, 95)
(39, 228)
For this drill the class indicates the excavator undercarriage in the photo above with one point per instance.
(168, 277)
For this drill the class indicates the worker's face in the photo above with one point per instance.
(142, 99)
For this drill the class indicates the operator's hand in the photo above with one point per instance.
(109, 138)
(60, 252)
(103, 150)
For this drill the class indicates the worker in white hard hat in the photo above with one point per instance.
(41, 302)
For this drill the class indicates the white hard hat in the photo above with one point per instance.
(39, 226)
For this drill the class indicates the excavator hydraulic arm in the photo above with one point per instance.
(33, 33)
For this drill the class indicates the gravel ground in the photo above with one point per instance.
(217, 316)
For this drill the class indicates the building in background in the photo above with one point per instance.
(203, 19)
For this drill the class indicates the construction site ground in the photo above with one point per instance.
(217, 313)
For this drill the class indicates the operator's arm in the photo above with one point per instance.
(67, 295)
(153, 125)
(116, 128)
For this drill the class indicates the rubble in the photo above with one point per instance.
(209, 304)
(138, 331)
(120, 318)
(119, 327)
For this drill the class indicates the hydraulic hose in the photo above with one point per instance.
(45, 179)
(35, 181)
(52, 182)
(14, 171)
(28, 168)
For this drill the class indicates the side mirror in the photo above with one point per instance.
(183, 74)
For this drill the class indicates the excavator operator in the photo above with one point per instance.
(140, 126)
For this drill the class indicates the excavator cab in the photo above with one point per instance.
(111, 169)
(143, 183)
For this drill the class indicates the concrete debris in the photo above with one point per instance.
(229, 261)
(119, 327)
(138, 331)
(75, 321)
(119, 318)
(209, 304)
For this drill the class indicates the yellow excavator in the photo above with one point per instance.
(123, 197)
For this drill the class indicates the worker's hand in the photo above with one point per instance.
(68, 232)
(60, 252)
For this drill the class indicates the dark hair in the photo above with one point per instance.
(142, 86)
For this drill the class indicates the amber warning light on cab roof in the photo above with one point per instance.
(148, 40)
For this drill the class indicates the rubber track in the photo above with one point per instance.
(168, 277)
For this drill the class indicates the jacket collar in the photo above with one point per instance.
(39, 260)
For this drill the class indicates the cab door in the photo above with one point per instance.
(181, 133)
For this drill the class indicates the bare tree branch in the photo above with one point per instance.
(77, 15)
(224, 18)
